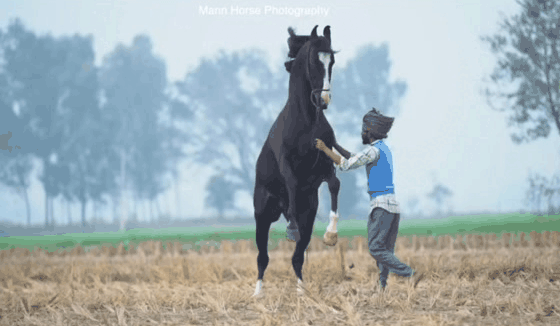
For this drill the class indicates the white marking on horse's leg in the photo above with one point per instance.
(300, 288)
(331, 236)
(258, 290)
(333, 217)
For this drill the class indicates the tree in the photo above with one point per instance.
(527, 76)
(15, 164)
(14, 173)
(362, 84)
(439, 195)
(148, 173)
(220, 195)
(134, 84)
(528, 72)
(49, 82)
(234, 98)
(29, 91)
(542, 189)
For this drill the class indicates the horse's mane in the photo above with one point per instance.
(295, 42)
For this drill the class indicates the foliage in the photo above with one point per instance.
(232, 97)
(440, 194)
(77, 118)
(528, 71)
(544, 190)
(220, 194)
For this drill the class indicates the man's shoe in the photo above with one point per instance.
(381, 287)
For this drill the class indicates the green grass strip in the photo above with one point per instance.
(476, 224)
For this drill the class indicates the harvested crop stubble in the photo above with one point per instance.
(488, 284)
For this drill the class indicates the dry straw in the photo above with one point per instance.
(150, 284)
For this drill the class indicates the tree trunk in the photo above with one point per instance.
(151, 211)
(168, 205)
(539, 203)
(114, 204)
(135, 203)
(28, 209)
(51, 210)
(95, 217)
(46, 209)
(83, 202)
(69, 213)
(158, 210)
(124, 210)
(221, 211)
(177, 201)
(147, 216)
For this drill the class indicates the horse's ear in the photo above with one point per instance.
(314, 32)
(327, 33)
(291, 31)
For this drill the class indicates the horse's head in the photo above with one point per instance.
(316, 57)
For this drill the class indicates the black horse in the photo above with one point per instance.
(290, 169)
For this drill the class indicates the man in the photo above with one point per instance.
(384, 217)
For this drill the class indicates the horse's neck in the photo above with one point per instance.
(299, 100)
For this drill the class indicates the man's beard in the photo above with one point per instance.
(365, 139)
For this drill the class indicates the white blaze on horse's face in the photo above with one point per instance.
(325, 58)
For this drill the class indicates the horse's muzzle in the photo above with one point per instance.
(326, 97)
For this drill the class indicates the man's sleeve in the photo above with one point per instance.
(368, 155)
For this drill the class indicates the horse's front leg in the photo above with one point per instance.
(342, 151)
(331, 235)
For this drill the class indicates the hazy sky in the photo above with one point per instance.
(445, 129)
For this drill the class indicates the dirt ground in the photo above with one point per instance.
(495, 284)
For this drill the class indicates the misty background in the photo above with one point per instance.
(148, 113)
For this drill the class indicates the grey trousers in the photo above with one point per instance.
(382, 235)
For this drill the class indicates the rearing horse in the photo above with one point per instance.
(290, 169)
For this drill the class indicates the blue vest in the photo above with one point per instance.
(380, 173)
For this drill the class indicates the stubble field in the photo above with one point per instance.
(476, 280)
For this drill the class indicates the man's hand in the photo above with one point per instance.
(319, 144)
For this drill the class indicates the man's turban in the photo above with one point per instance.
(377, 123)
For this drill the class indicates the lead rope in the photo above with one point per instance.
(318, 111)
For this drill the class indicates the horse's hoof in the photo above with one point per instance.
(301, 290)
(259, 293)
(330, 238)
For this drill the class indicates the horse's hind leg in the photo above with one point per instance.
(267, 210)
(331, 236)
